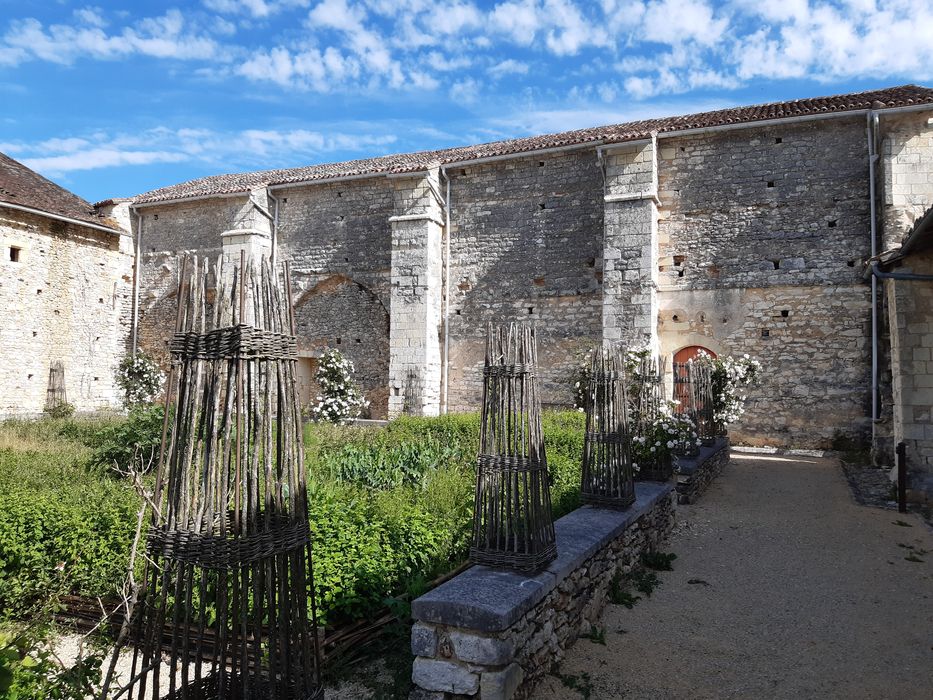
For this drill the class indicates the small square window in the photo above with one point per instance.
(14, 253)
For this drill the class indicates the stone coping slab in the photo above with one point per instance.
(491, 600)
(688, 465)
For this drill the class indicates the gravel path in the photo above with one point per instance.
(783, 587)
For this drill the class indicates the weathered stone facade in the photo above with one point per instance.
(66, 295)
(745, 238)
(526, 245)
(910, 305)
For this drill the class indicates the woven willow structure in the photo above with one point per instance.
(55, 395)
(648, 391)
(701, 391)
(607, 478)
(512, 524)
(226, 609)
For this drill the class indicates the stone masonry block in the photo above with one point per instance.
(444, 676)
(482, 650)
(423, 640)
(501, 685)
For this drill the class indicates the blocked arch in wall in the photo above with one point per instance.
(339, 312)
(157, 325)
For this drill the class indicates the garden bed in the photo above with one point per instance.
(390, 508)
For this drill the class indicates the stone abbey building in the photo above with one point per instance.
(744, 230)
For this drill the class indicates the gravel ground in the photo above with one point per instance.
(783, 587)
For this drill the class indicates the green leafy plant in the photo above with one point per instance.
(658, 561)
(618, 592)
(60, 411)
(140, 378)
(596, 635)
(730, 376)
(132, 444)
(29, 669)
(582, 683)
(645, 581)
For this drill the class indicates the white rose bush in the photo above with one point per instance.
(730, 377)
(140, 378)
(340, 399)
(669, 434)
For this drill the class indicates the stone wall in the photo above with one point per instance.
(339, 241)
(526, 245)
(910, 308)
(762, 231)
(168, 232)
(906, 169)
(693, 475)
(748, 240)
(67, 298)
(493, 634)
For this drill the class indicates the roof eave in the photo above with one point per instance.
(66, 219)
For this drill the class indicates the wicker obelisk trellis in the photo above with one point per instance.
(512, 524)
(55, 395)
(227, 610)
(646, 407)
(607, 478)
(700, 372)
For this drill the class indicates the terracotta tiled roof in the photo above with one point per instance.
(903, 96)
(26, 188)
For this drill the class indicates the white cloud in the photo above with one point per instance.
(167, 36)
(258, 9)
(96, 158)
(246, 148)
(337, 14)
(508, 67)
(442, 63)
(544, 121)
(521, 20)
(602, 50)
(465, 91)
(677, 21)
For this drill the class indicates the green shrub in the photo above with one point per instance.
(366, 549)
(57, 518)
(563, 443)
(61, 410)
(389, 508)
(133, 443)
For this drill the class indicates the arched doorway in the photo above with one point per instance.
(681, 380)
(686, 354)
(341, 313)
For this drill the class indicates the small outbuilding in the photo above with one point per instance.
(907, 275)
(66, 281)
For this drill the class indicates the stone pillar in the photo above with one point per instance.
(415, 308)
(251, 234)
(251, 230)
(630, 245)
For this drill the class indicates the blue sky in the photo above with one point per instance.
(116, 98)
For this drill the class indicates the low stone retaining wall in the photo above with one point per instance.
(694, 474)
(492, 633)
